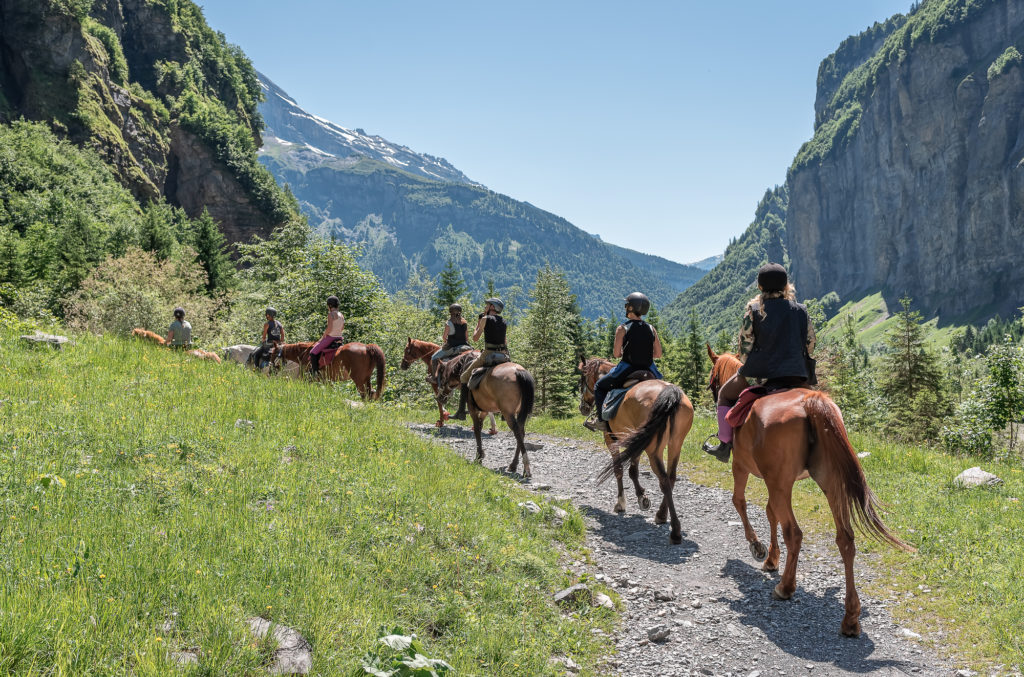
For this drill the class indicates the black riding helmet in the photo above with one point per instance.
(638, 302)
(272, 312)
(332, 302)
(455, 309)
(772, 278)
(497, 303)
(179, 313)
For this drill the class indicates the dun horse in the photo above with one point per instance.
(654, 415)
(421, 351)
(507, 388)
(787, 437)
(354, 361)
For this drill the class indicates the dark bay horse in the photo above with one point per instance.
(789, 436)
(654, 415)
(416, 350)
(354, 361)
(509, 389)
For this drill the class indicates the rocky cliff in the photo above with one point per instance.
(914, 180)
(167, 104)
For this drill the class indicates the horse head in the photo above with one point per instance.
(723, 367)
(417, 350)
(590, 370)
(409, 356)
(712, 354)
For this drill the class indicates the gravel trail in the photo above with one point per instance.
(711, 595)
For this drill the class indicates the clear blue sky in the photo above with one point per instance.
(657, 125)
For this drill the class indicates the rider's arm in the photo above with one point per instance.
(619, 334)
(812, 338)
(479, 328)
(265, 325)
(170, 336)
(444, 334)
(657, 343)
(746, 339)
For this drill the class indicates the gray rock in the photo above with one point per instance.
(601, 599)
(659, 633)
(665, 595)
(293, 655)
(908, 634)
(185, 657)
(49, 339)
(244, 424)
(578, 591)
(569, 664)
(976, 477)
(530, 507)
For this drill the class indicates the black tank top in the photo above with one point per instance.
(274, 330)
(494, 330)
(457, 337)
(638, 343)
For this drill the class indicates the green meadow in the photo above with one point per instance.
(151, 503)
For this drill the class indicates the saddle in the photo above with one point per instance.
(449, 371)
(492, 360)
(740, 411)
(327, 354)
(616, 396)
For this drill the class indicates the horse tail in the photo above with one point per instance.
(660, 420)
(527, 389)
(858, 504)
(377, 355)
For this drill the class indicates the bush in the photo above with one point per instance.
(137, 290)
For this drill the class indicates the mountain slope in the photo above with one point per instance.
(410, 210)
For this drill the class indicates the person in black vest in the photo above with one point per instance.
(776, 342)
(491, 325)
(638, 345)
(273, 337)
(455, 338)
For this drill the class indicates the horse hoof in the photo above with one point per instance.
(527, 474)
(850, 629)
(645, 503)
(779, 594)
(675, 539)
(659, 519)
(768, 566)
(619, 508)
(758, 551)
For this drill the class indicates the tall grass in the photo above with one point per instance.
(138, 520)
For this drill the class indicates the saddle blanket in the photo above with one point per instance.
(737, 416)
(617, 395)
(492, 360)
(327, 355)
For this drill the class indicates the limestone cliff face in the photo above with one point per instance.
(63, 68)
(922, 190)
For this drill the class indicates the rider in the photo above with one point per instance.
(179, 334)
(273, 337)
(334, 332)
(776, 340)
(492, 326)
(638, 345)
(455, 338)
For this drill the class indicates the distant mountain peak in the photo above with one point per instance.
(288, 123)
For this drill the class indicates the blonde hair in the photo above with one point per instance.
(789, 293)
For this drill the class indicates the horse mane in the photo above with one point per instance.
(592, 366)
(725, 368)
(423, 347)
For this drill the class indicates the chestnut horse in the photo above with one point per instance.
(654, 415)
(507, 388)
(354, 361)
(147, 335)
(422, 350)
(789, 436)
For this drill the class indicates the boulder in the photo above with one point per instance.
(976, 477)
(50, 339)
(293, 655)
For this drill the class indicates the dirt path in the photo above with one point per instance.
(720, 611)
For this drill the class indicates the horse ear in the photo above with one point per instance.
(582, 364)
(409, 341)
(711, 353)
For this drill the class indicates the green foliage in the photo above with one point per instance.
(117, 65)
(992, 414)
(210, 245)
(1004, 62)
(694, 364)
(450, 288)
(401, 655)
(547, 350)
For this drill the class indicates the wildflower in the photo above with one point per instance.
(159, 639)
(269, 607)
(103, 575)
(36, 508)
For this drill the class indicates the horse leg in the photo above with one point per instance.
(739, 501)
(774, 552)
(665, 482)
(641, 495)
(442, 415)
(520, 435)
(673, 462)
(844, 539)
(478, 422)
(781, 501)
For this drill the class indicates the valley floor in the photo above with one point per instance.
(722, 618)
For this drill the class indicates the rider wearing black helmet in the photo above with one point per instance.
(455, 338)
(776, 341)
(492, 326)
(179, 334)
(638, 345)
(273, 337)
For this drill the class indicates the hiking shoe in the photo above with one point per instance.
(720, 451)
(597, 425)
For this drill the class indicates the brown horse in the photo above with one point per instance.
(421, 351)
(205, 355)
(147, 335)
(789, 436)
(354, 361)
(654, 415)
(507, 388)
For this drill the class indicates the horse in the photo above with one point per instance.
(238, 353)
(790, 436)
(507, 388)
(205, 355)
(147, 335)
(354, 361)
(654, 415)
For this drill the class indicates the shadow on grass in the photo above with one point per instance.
(806, 626)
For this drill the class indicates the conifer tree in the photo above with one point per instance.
(155, 232)
(548, 350)
(209, 244)
(695, 362)
(450, 288)
(908, 366)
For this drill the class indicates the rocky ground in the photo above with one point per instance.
(708, 593)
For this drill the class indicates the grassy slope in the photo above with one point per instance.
(872, 320)
(969, 555)
(169, 508)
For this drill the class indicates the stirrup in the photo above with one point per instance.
(720, 451)
(597, 424)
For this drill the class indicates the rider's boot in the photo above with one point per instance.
(597, 424)
(314, 366)
(463, 399)
(722, 450)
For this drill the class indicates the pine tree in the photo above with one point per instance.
(725, 342)
(695, 362)
(420, 290)
(548, 350)
(209, 244)
(908, 366)
(450, 288)
(155, 232)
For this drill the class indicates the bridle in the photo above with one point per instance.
(407, 360)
